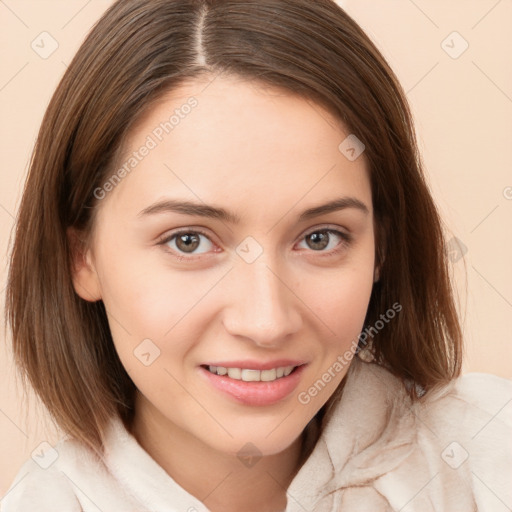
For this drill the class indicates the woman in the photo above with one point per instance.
(225, 204)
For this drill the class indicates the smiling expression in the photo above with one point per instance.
(235, 261)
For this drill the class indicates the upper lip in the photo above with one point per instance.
(256, 365)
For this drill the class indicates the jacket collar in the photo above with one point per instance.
(369, 433)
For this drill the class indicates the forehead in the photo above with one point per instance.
(255, 148)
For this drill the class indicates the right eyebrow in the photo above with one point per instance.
(190, 208)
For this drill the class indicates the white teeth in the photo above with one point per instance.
(221, 370)
(288, 370)
(268, 375)
(249, 375)
(235, 373)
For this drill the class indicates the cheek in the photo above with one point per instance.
(340, 297)
(340, 307)
(346, 300)
(157, 310)
(341, 303)
(146, 296)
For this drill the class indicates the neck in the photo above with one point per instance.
(223, 482)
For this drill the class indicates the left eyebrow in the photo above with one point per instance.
(214, 212)
(332, 206)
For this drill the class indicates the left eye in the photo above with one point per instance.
(325, 239)
(187, 242)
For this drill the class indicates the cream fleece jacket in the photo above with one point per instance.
(449, 451)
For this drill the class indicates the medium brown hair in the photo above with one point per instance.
(138, 51)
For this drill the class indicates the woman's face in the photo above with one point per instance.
(214, 252)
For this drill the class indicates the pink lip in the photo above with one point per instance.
(255, 393)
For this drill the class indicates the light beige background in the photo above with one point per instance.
(463, 111)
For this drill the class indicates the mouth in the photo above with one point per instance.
(254, 384)
(251, 375)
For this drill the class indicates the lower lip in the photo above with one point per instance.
(255, 393)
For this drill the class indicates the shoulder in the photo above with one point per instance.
(471, 417)
(67, 477)
(40, 484)
(468, 405)
(464, 432)
(451, 449)
(472, 402)
(488, 393)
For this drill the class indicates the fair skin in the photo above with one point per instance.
(266, 156)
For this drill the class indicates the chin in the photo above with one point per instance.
(259, 436)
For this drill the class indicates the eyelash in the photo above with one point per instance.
(346, 241)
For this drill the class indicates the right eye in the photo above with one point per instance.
(187, 242)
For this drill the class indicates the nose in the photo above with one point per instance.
(262, 308)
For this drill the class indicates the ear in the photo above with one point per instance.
(83, 273)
